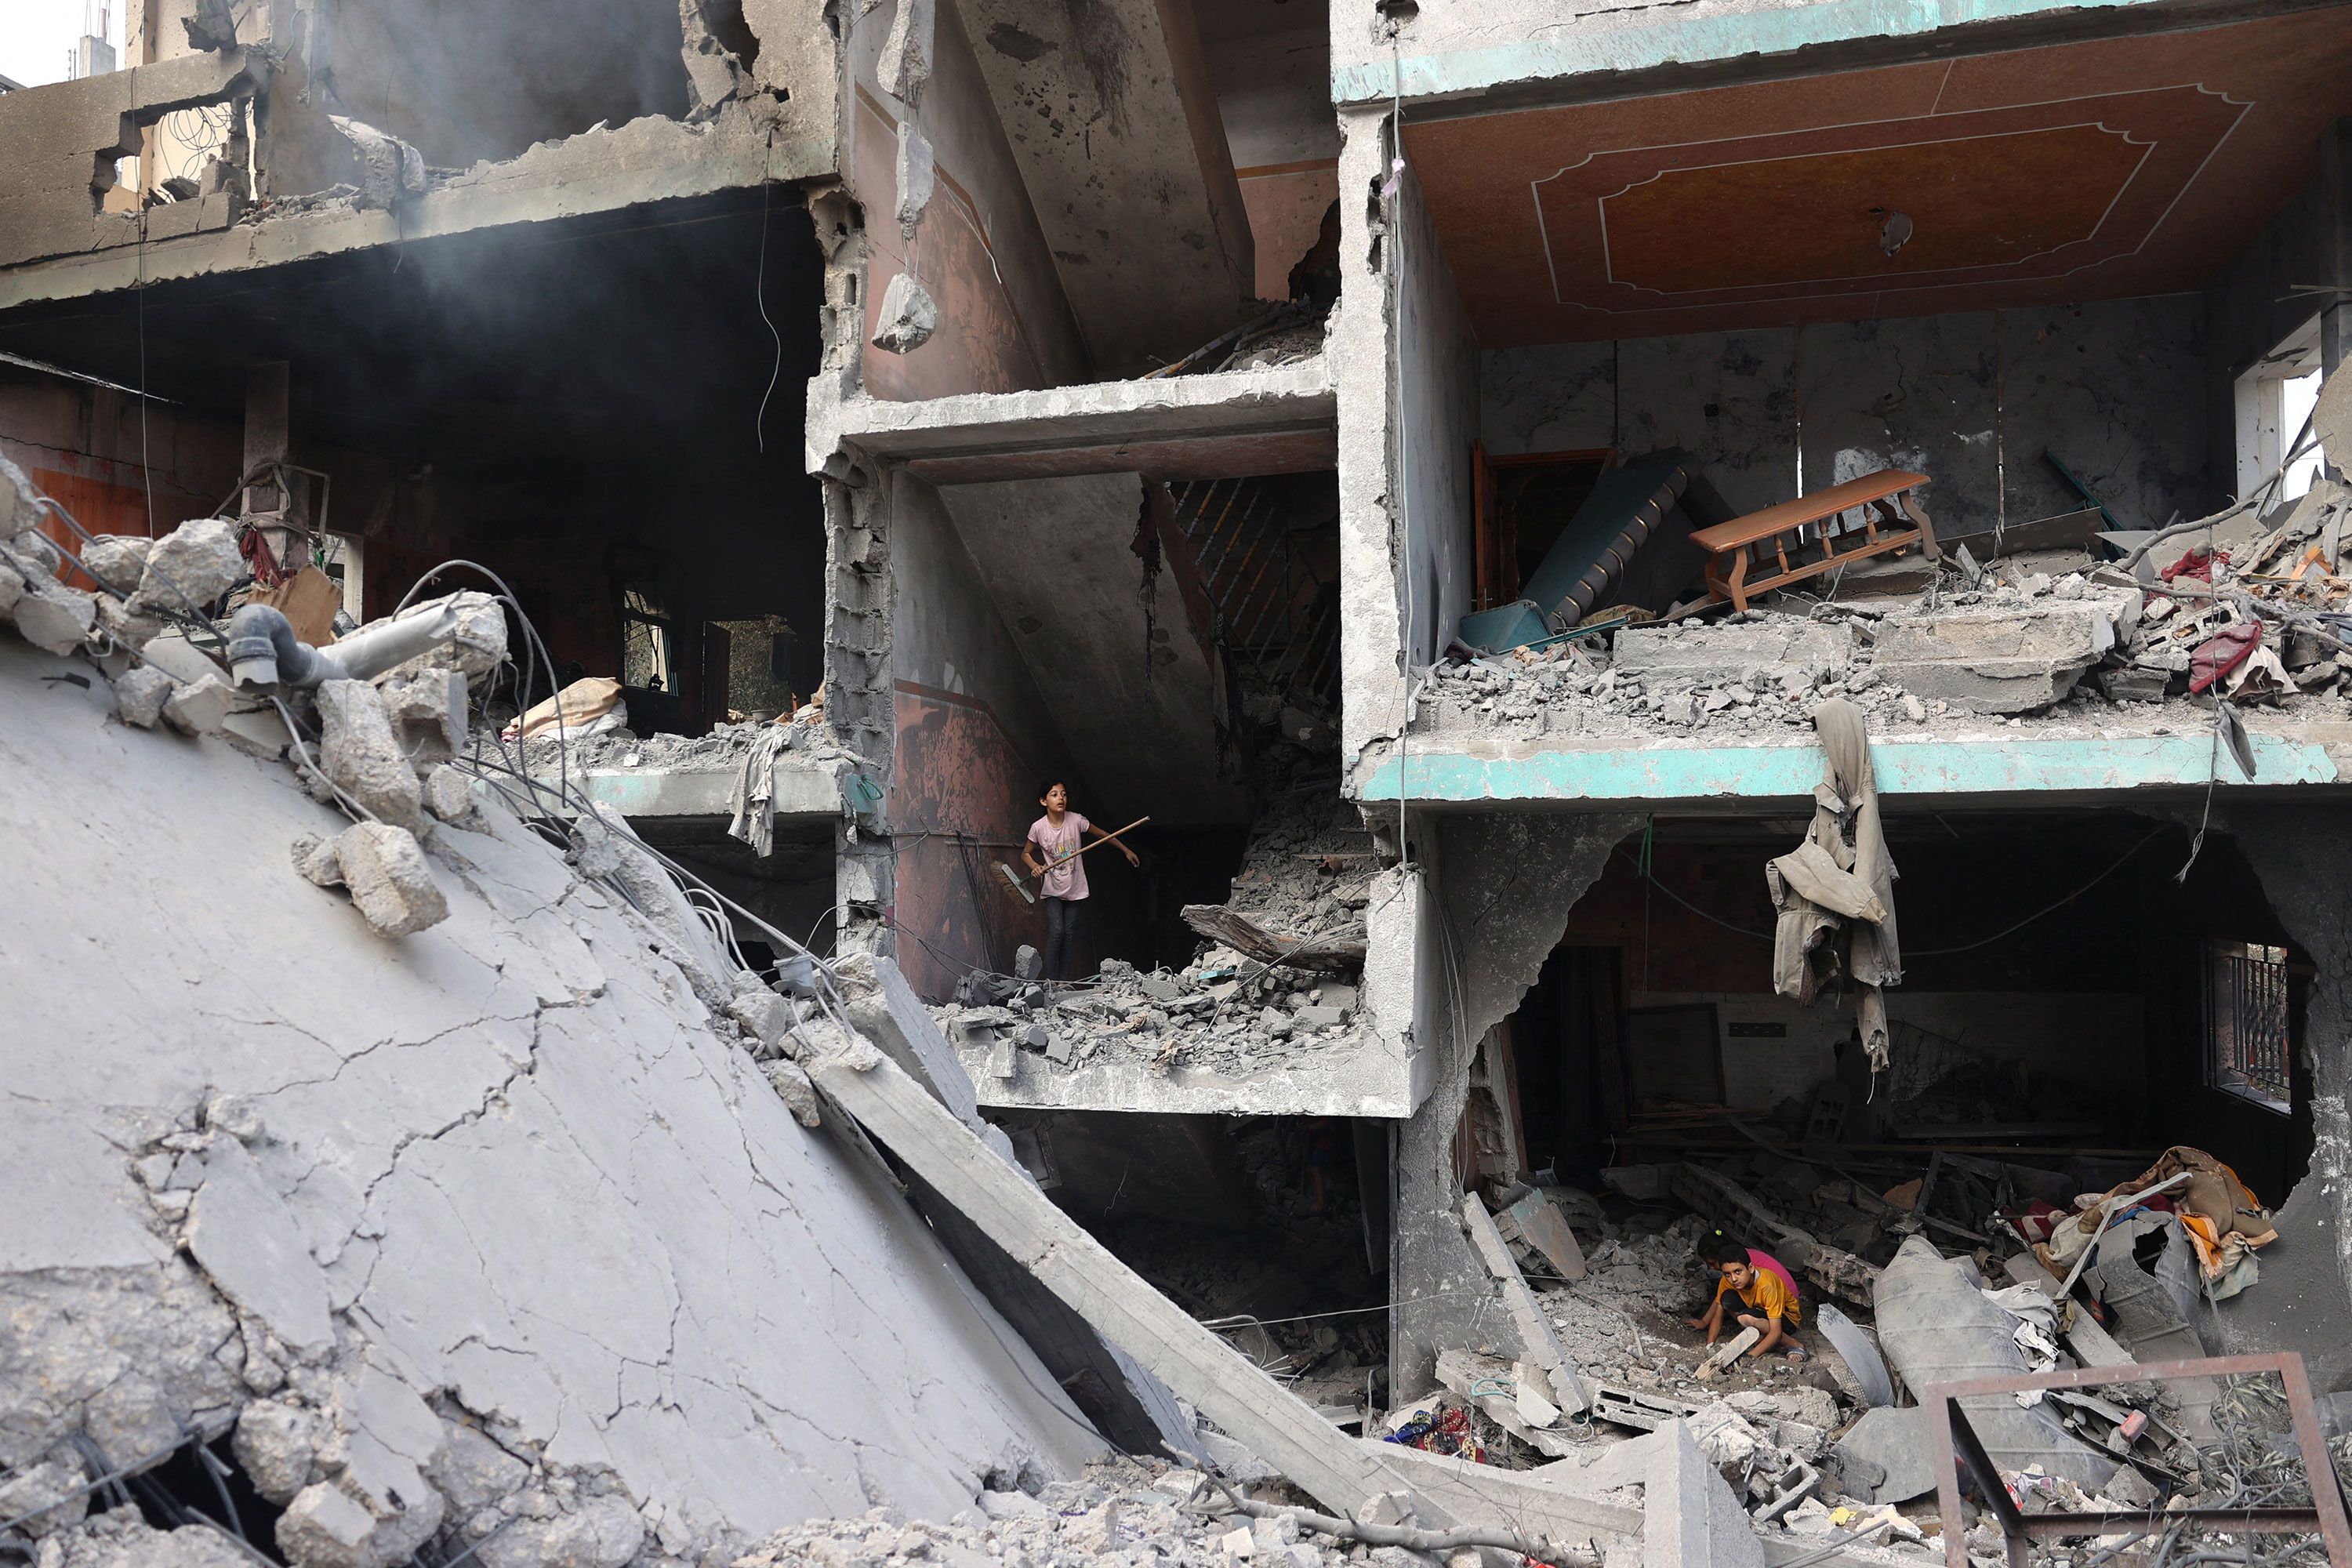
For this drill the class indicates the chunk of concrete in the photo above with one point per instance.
(139, 695)
(12, 586)
(314, 861)
(1720, 655)
(449, 797)
(763, 1013)
(472, 1471)
(1936, 1327)
(243, 1234)
(1895, 1442)
(601, 1533)
(126, 626)
(358, 751)
(55, 1492)
(55, 618)
(117, 560)
(20, 503)
(1690, 1518)
(799, 1095)
(1996, 661)
(427, 711)
(385, 870)
(201, 707)
(190, 567)
(276, 1445)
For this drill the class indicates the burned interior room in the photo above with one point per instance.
(1253, 784)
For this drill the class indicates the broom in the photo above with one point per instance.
(1065, 860)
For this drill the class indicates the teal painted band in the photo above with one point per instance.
(1683, 41)
(1902, 767)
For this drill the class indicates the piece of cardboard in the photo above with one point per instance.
(308, 600)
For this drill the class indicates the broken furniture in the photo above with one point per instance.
(1957, 1445)
(1631, 525)
(1768, 549)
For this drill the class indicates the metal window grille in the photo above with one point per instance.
(2246, 1047)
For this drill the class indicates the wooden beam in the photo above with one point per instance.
(1262, 1414)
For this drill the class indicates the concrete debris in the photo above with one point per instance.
(385, 871)
(391, 170)
(56, 618)
(121, 1538)
(139, 694)
(1119, 1510)
(116, 560)
(1221, 1011)
(189, 568)
(907, 51)
(792, 1086)
(2007, 660)
(360, 754)
(722, 750)
(909, 316)
(1893, 1445)
(2063, 654)
(917, 173)
(200, 709)
(426, 709)
(448, 794)
(305, 1225)
(1691, 1518)
(1937, 1327)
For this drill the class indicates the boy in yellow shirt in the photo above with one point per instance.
(1761, 1284)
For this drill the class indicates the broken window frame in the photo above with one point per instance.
(2272, 402)
(2249, 1049)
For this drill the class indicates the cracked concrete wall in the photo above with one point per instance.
(1504, 886)
(1006, 324)
(1405, 363)
(2302, 856)
(1971, 399)
(973, 732)
(497, 1201)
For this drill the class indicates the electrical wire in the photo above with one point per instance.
(760, 297)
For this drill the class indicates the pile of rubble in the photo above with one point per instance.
(1277, 976)
(2059, 643)
(1220, 1012)
(1119, 1511)
(806, 735)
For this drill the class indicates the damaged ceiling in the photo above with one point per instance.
(2108, 169)
(580, 341)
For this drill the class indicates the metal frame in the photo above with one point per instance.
(1957, 1445)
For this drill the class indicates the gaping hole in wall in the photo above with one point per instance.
(2071, 1019)
(1166, 649)
(724, 19)
(1257, 1226)
(462, 84)
(596, 413)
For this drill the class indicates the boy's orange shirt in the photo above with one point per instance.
(1764, 1294)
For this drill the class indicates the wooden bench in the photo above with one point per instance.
(1768, 549)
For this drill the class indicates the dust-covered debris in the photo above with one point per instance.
(2058, 646)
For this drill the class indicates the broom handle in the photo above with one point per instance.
(1098, 844)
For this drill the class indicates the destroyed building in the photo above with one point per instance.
(1702, 619)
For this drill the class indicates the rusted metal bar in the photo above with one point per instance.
(1957, 1447)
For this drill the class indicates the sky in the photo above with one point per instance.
(36, 36)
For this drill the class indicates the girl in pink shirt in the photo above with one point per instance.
(1052, 849)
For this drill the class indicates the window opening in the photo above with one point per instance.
(2246, 1047)
(2275, 396)
(649, 643)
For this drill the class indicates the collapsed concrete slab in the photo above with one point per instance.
(1780, 646)
(508, 1173)
(2004, 661)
